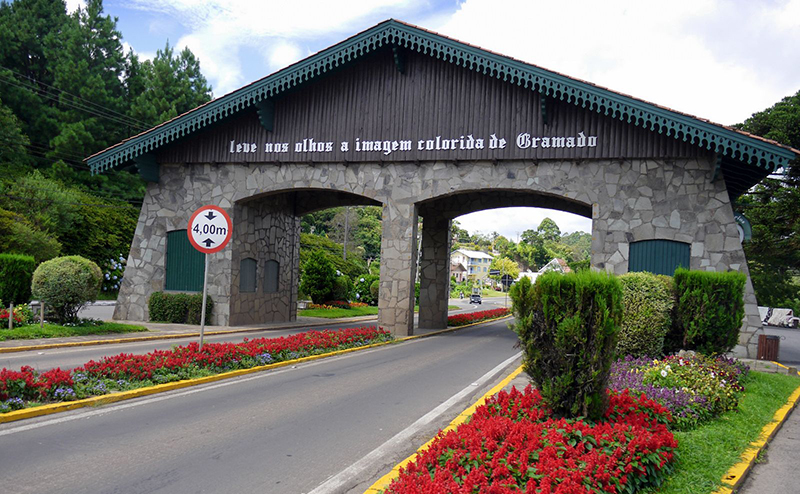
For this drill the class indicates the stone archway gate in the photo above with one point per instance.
(424, 125)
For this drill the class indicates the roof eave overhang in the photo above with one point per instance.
(725, 141)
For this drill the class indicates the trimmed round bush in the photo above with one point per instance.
(318, 277)
(67, 284)
(646, 315)
(342, 288)
(16, 272)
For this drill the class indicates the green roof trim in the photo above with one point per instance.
(740, 146)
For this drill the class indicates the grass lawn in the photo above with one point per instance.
(55, 331)
(705, 454)
(336, 313)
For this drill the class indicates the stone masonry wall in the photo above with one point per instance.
(630, 200)
(265, 230)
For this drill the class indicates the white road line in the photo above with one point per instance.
(386, 449)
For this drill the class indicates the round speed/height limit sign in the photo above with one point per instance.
(209, 229)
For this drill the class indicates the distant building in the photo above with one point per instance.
(556, 264)
(458, 271)
(474, 265)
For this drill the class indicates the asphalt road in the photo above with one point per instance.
(789, 346)
(283, 431)
(71, 357)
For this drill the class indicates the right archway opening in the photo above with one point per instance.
(439, 241)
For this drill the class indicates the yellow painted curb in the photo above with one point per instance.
(383, 482)
(735, 477)
(27, 413)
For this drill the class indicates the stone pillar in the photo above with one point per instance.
(267, 231)
(398, 267)
(434, 273)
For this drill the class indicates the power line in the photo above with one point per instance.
(99, 106)
(43, 93)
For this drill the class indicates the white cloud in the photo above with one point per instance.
(668, 53)
(511, 222)
(219, 29)
(282, 54)
(72, 5)
(143, 55)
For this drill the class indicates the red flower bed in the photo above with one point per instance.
(26, 384)
(484, 315)
(513, 445)
(98, 377)
(229, 356)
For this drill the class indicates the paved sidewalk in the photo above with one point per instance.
(777, 471)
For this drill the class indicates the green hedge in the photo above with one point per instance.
(567, 325)
(16, 273)
(646, 317)
(179, 308)
(710, 309)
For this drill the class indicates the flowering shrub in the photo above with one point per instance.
(338, 304)
(319, 306)
(472, 317)
(113, 269)
(512, 444)
(358, 304)
(128, 371)
(694, 388)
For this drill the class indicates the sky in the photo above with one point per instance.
(721, 60)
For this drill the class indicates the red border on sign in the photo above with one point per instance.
(219, 247)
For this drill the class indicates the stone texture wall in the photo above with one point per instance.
(434, 272)
(168, 206)
(629, 200)
(265, 230)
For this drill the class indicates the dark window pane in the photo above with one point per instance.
(185, 264)
(271, 276)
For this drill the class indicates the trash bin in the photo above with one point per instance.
(768, 347)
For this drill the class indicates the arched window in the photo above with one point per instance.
(271, 276)
(247, 275)
(659, 256)
(184, 264)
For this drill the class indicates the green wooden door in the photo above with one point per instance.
(185, 264)
(659, 256)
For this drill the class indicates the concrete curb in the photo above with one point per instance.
(46, 346)
(387, 479)
(733, 480)
(27, 413)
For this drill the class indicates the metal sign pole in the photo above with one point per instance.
(203, 313)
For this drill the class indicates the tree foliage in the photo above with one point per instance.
(773, 209)
(318, 278)
(68, 90)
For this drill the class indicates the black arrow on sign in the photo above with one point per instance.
(211, 215)
(208, 242)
